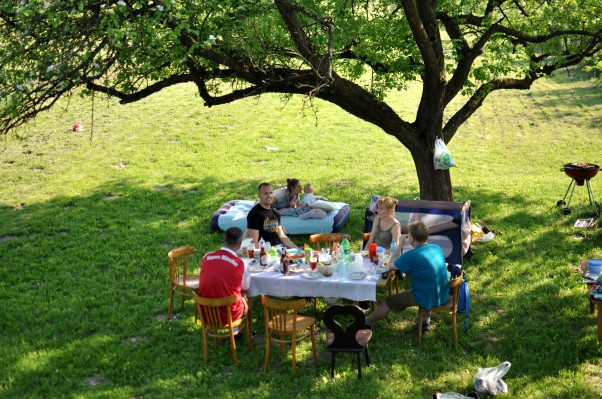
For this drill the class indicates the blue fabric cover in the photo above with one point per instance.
(234, 214)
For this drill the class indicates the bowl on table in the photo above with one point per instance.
(326, 268)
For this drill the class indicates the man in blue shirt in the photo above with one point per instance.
(425, 264)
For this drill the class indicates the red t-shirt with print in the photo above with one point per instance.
(221, 276)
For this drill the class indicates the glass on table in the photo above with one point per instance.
(313, 262)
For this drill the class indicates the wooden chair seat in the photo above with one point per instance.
(349, 337)
(214, 326)
(283, 325)
(290, 325)
(363, 337)
(180, 281)
(190, 280)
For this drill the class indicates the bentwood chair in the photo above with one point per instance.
(353, 338)
(283, 324)
(215, 325)
(450, 307)
(180, 281)
(327, 240)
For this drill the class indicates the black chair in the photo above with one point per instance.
(353, 338)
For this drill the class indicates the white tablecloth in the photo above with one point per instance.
(276, 284)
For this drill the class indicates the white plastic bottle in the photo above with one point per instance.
(393, 247)
(341, 265)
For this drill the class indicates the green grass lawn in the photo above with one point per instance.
(86, 221)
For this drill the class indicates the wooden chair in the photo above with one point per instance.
(350, 339)
(210, 312)
(327, 239)
(180, 281)
(450, 307)
(283, 325)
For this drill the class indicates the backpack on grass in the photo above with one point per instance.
(463, 297)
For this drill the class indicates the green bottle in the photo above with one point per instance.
(346, 247)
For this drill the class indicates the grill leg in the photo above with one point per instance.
(573, 184)
(590, 193)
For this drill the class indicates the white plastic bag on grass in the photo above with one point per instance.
(451, 395)
(489, 380)
(442, 158)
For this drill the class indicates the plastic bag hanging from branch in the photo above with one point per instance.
(442, 159)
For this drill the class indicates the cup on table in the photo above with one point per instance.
(372, 251)
(251, 251)
(380, 251)
(307, 255)
(313, 262)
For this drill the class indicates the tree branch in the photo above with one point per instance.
(535, 72)
(126, 98)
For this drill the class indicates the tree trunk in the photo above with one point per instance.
(435, 185)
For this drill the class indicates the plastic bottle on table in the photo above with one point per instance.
(393, 247)
(346, 247)
(341, 266)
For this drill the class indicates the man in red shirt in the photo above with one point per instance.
(224, 274)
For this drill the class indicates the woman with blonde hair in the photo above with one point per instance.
(385, 227)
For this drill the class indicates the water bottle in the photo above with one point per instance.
(393, 247)
(346, 247)
(341, 266)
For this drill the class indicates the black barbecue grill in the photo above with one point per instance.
(581, 173)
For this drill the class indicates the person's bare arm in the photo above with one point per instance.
(396, 232)
(397, 252)
(254, 236)
(284, 239)
(371, 239)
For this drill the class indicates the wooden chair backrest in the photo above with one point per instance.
(178, 263)
(210, 310)
(327, 239)
(278, 313)
(345, 337)
(454, 286)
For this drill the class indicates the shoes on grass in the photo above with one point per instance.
(425, 326)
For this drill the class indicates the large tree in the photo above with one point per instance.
(348, 52)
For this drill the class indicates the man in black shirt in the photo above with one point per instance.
(264, 222)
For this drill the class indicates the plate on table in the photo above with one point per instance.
(299, 268)
(358, 275)
(257, 269)
(312, 275)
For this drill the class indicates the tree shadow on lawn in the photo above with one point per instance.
(529, 306)
(90, 301)
(95, 267)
